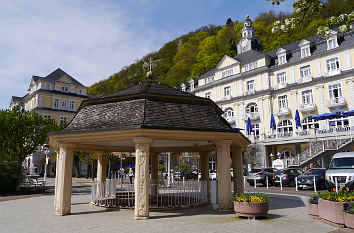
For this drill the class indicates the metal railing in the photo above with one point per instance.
(180, 194)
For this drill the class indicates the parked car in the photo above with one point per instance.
(306, 180)
(287, 176)
(341, 169)
(260, 175)
(189, 175)
(177, 176)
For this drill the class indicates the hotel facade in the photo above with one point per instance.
(312, 76)
(56, 96)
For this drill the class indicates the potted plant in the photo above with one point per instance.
(331, 206)
(313, 205)
(251, 204)
(349, 215)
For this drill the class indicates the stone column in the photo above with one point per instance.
(101, 167)
(155, 167)
(224, 175)
(204, 168)
(237, 169)
(142, 149)
(267, 114)
(261, 117)
(64, 181)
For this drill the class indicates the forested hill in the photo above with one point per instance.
(197, 52)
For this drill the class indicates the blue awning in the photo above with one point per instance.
(326, 116)
(349, 113)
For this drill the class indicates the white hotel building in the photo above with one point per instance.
(314, 76)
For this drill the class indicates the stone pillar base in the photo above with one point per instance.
(141, 218)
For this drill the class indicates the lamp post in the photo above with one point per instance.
(46, 152)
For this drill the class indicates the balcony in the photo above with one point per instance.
(307, 107)
(333, 72)
(281, 85)
(282, 111)
(305, 79)
(228, 97)
(252, 115)
(250, 92)
(336, 102)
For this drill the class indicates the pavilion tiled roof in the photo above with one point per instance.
(149, 105)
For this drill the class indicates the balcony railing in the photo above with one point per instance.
(281, 85)
(251, 115)
(230, 119)
(307, 107)
(283, 111)
(336, 102)
(305, 79)
(250, 92)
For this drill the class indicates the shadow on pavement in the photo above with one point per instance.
(285, 202)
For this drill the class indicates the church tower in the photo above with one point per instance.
(248, 41)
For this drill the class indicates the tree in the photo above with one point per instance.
(251, 154)
(229, 22)
(22, 133)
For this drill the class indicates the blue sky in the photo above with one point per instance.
(93, 39)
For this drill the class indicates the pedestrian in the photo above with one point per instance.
(122, 173)
(131, 175)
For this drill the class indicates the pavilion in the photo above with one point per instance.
(148, 119)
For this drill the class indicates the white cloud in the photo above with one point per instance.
(87, 39)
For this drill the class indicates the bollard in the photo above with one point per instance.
(183, 179)
(244, 182)
(267, 182)
(314, 184)
(296, 188)
(255, 182)
(281, 183)
(336, 182)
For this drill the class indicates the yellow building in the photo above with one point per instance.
(312, 76)
(57, 96)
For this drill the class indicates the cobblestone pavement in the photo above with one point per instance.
(36, 214)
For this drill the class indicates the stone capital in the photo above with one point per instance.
(318, 86)
(223, 143)
(294, 92)
(142, 140)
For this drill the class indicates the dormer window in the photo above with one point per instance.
(227, 73)
(65, 89)
(250, 66)
(305, 52)
(191, 85)
(208, 80)
(183, 87)
(282, 59)
(332, 43)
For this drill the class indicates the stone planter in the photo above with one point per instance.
(349, 220)
(313, 210)
(251, 209)
(331, 211)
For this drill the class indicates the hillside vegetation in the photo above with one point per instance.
(199, 51)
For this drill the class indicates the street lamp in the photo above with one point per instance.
(46, 152)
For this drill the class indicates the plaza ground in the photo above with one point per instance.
(36, 214)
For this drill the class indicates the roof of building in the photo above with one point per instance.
(16, 98)
(55, 76)
(149, 105)
(249, 56)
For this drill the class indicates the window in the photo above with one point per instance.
(251, 108)
(63, 120)
(285, 126)
(283, 101)
(72, 105)
(307, 97)
(47, 117)
(208, 80)
(250, 66)
(335, 91)
(250, 85)
(229, 114)
(208, 95)
(227, 73)
(308, 123)
(47, 86)
(305, 52)
(331, 43)
(305, 72)
(79, 91)
(63, 104)
(56, 103)
(286, 154)
(332, 64)
(281, 78)
(255, 130)
(65, 89)
(227, 91)
(341, 122)
(281, 59)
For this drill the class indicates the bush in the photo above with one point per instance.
(341, 196)
(251, 197)
(9, 174)
(314, 199)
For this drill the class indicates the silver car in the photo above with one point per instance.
(260, 175)
(341, 169)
